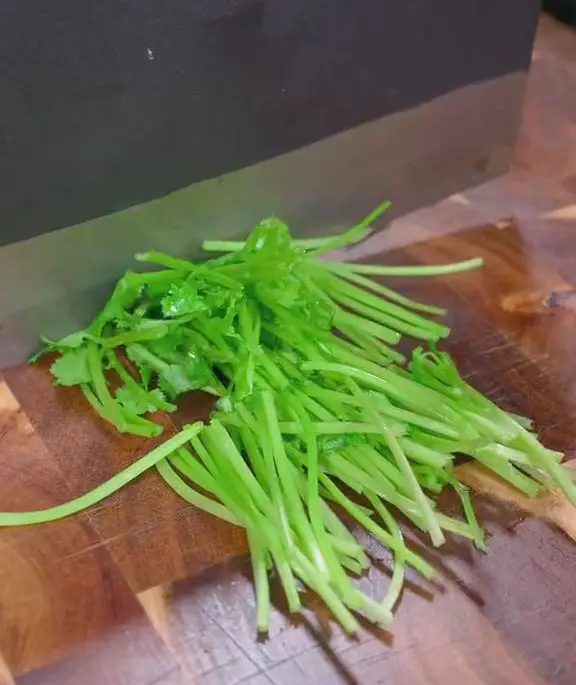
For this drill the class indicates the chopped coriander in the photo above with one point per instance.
(312, 395)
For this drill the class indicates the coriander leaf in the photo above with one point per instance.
(148, 329)
(169, 345)
(181, 374)
(154, 292)
(216, 298)
(270, 237)
(175, 381)
(132, 401)
(224, 404)
(69, 341)
(72, 367)
(145, 362)
(182, 298)
(196, 368)
(138, 401)
(190, 372)
(127, 295)
(185, 349)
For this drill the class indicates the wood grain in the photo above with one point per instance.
(60, 591)
(125, 594)
(512, 341)
(152, 535)
(553, 506)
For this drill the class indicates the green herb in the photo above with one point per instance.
(106, 489)
(72, 368)
(311, 396)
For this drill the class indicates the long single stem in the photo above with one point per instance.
(354, 234)
(428, 270)
(102, 491)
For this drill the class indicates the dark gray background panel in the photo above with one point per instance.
(109, 103)
(54, 283)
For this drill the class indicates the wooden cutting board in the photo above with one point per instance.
(128, 593)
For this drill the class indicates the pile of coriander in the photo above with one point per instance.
(314, 406)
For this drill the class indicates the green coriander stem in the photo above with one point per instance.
(342, 269)
(190, 495)
(102, 491)
(258, 557)
(428, 270)
(154, 257)
(374, 529)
